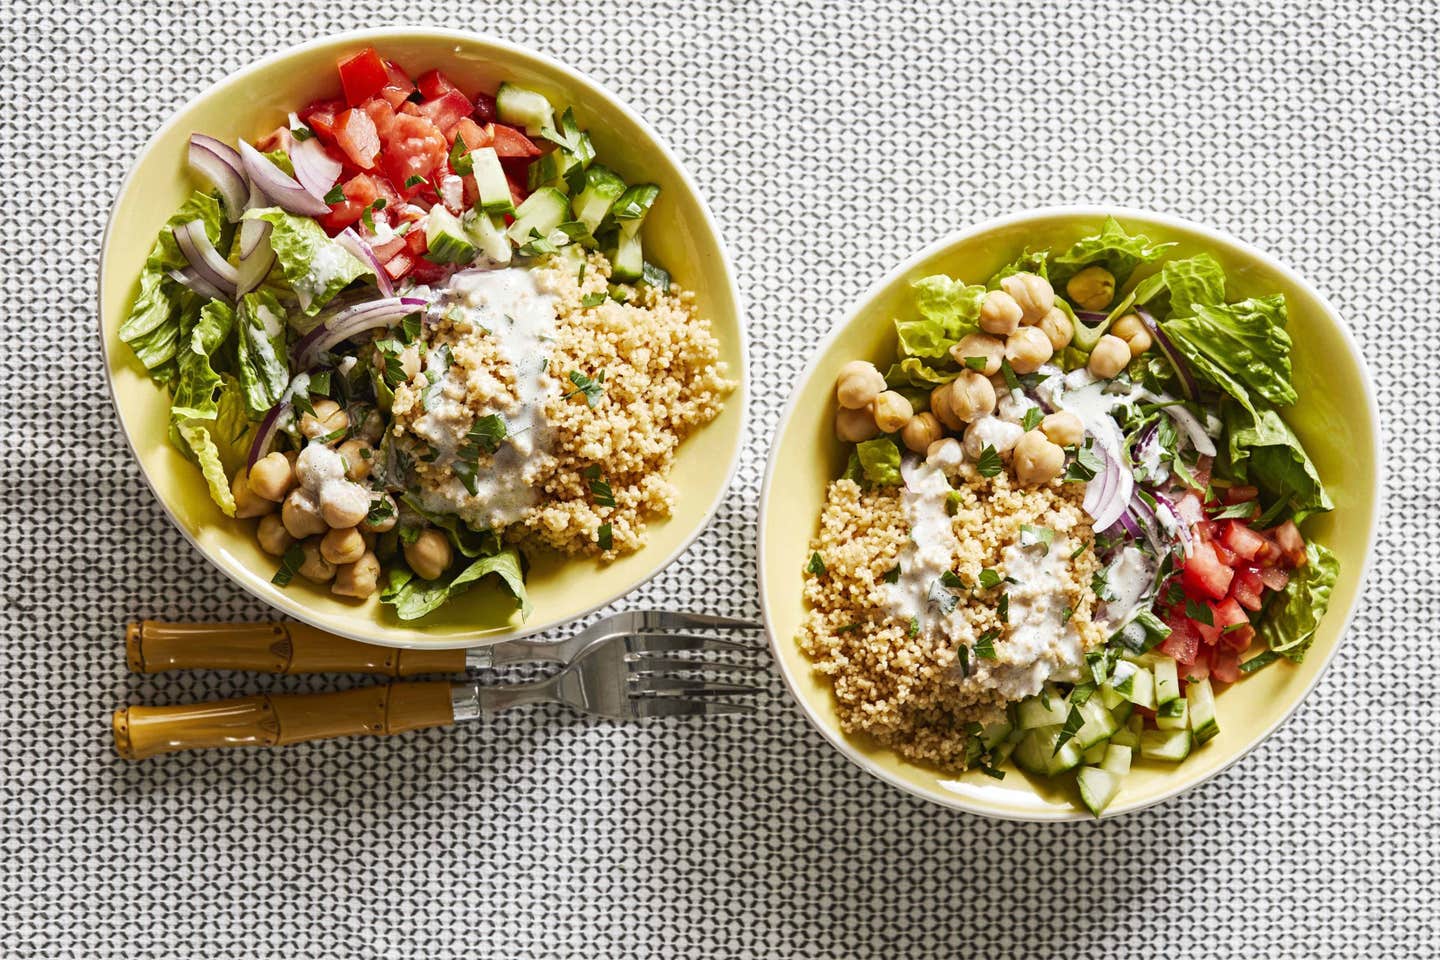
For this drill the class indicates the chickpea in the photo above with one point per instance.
(892, 411)
(991, 432)
(342, 546)
(318, 465)
(1027, 349)
(1036, 459)
(971, 395)
(922, 430)
(358, 457)
(344, 504)
(1032, 292)
(855, 426)
(945, 455)
(1057, 326)
(1063, 428)
(272, 477)
(274, 538)
(1109, 357)
(392, 516)
(858, 385)
(999, 313)
(1133, 331)
(327, 418)
(429, 555)
(301, 514)
(247, 502)
(315, 567)
(1092, 288)
(992, 349)
(357, 579)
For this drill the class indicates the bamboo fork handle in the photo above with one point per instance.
(154, 646)
(279, 719)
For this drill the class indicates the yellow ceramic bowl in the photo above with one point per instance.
(679, 234)
(1336, 418)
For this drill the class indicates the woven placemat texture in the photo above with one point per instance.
(832, 139)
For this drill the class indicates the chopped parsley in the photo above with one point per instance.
(289, 566)
(976, 363)
(301, 133)
(989, 462)
(985, 645)
(536, 246)
(893, 574)
(460, 160)
(393, 372)
(1011, 381)
(964, 653)
(485, 435)
(414, 180)
(443, 360)
(1002, 609)
(1233, 627)
(1031, 536)
(603, 494)
(816, 566)
(1237, 511)
(336, 195)
(848, 628)
(1033, 416)
(592, 388)
(367, 216)
(1100, 585)
(952, 580)
(1083, 692)
(410, 326)
(1073, 723)
(1085, 465)
(381, 509)
(1065, 614)
(989, 579)
(592, 299)
(1078, 550)
(914, 626)
(605, 536)
(1200, 612)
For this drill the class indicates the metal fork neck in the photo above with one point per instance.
(470, 701)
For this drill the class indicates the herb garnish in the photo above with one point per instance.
(1002, 609)
(593, 388)
(414, 180)
(1238, 511)
(964, 653)
(605, 536)
(366, 216)
(1032, 419)
(1032, 536)
(952, 580)
(1073, 723)
(301, 133)
(410, 326)
(1259, 660)
(485, 435)
(848, 628)
(592, 299)
(289, 566)
(914, 626)
(336, 195)
(1200, 612)
(985, 645)
(989, 462)
(1066, 613)
(1100, 585)
(1011, 381)
(816, 566)
(1085, 465)
(604, 495)
(976, 363)
(893, 574)
(381, 509)
(460, 160)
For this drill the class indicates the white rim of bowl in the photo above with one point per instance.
(379, 34)
(956, 801)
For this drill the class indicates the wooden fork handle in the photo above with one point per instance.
(276, 720)
(154, 646)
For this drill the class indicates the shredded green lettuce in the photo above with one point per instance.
(1243, 343)
(413, 598)
(1180, 284)
(315, 267)
(260, 358)
(949, 309)
(1264, 450)
(1294, 615)
(163, 307)
(217, 444)
(880, 461)
(1031, 261)
(1111, 248)
(193, 396)
(912, 372)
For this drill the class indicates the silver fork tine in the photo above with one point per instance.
(642, 664)
(672, 686)
(682, 707)
(671, 642)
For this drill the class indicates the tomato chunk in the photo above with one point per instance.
(360, 191)
(399, 265)
(355, 133)
(485, 108)
(1240, 495)
(320, 117)
(362, 76)
(1291, 543)
(1274, 578)
(1238, 639)
(381, 114)
(398, 85)
(1204, 574)
(447, 110)
(414, 148)
(1224, 665)
(433, 84)
(473, 135)
(1245, 542)
(1183, 646)
(510, 142)
(1246, 588)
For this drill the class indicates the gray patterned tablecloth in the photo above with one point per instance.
(831, 139)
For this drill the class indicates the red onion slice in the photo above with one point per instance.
(1116, 484)
(350, 322)
(265, 436)
(195, 244)
(256, 267)
(1188, 384)
(221, 165)
(279, 186)
(363, 252)
(316, 170)
(189, 278)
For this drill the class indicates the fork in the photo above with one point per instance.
(618, 675)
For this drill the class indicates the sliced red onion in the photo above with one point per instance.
(1165, 508)
(256, 267)
(1188, 384)
(1090, 316)
(221, 165)
(189, 278)
(1110, 501)
(265, 436)
(365, 253)
(195, 244)
(350, 322)
(316, 170)
(289, 195)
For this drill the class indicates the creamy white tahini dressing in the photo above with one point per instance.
(522, 320)
(932, 547)
(330, 261)
(1128, 579)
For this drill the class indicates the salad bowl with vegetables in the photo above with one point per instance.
(1096, 493)
(410, 331)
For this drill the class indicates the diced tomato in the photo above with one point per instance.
(1239, 495)
(1269, 554)
(1246, 588)
(1224, 665)
(1182, 645)
(381, 114)
(448, 110)
(362, 76)
(1226, 555)
(1228, 613)
(473, 135)
(1245, 542)
(355, 133)
(434, 84)
(1238, 639)
(399, 265)
(1205, 574)
(426, 272)
(398, 85)
(391, 248)
(415, 243)
(415, 148)
(1291, 543)
(1206, 529)
(510, 142)
(1274, 578)
(485, 108)
(1198, 670)
(1201, 472)
(360, 191)
(320, 117)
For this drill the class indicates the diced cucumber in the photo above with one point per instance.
(627, 260)
(1122, 711)
(1167, 680)
(1117, 758)
(1098, 726)
(1125, 737)
(542, 212)
(995, 733)
(1034, 712)
(490, 181)
(556, 167)
(1202, 710)
(1147, 659)
(1097, 788)
(446, 239)
(1096, 754)
(1169, 745)
(1109, 697)
(1029, 754)
(523, 108)
(1135, 684)
(488, 235)
(1001, 751)
(602, 189)
(1036, 753)
(1174, 715)
(634, 204)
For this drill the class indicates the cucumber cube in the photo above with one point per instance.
(1034, 713)
(1202, 710)
(1174, 715)
(1171, 746)
(1097, 788)
(1117, 759)
(1167, 681)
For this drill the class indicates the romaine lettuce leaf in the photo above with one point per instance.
(1295, 614)
(1180, 284)
(912, 372)
(1245, 340)
(413, 598)
(261, 363)
(949, 309)
(880, 461)
(1111, 248)
(218, 445)
(1031, 261)
(315, 266)
(152, 329)
(193, 396)
(1263, 450)
(470, 543)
